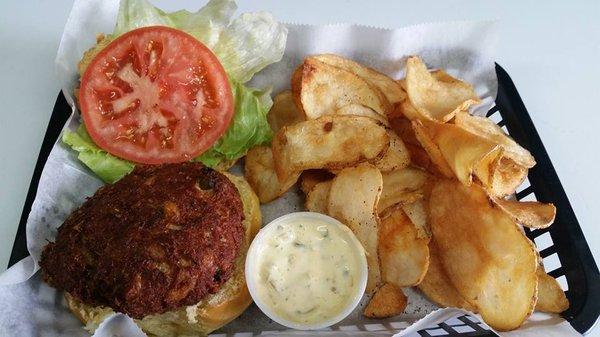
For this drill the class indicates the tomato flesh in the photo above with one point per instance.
(155, 95)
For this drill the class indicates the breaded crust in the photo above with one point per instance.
(161, 238)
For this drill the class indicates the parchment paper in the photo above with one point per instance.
(31, 308)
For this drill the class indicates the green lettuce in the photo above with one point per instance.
(108, 167)
(244, 46)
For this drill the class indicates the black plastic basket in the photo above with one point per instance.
(574, 264)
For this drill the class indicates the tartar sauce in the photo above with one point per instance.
(308, 270)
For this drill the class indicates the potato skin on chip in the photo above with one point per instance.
(353, 201)
(433, 98)
(403, 257)
(390, 88)
(324, 89)
(316, 199)
(260, 174)
(438, 287)
(388, 301)
(485, 255)
(551, 298)
(331, 142)
(284, 111)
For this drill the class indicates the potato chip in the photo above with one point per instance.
(396, 157)
(324, 89)
(530, 214)
(408, 110)
(402, 186)
(417, 213)
(390, 88)
(316, 199)
(434, 98)
(487, 129)
(504, 176)
(435, 155)
(485, 255)
(353, 200)
(551, 298)
(418, 156)
(283, 112)
(439, 75)
(436, 284)
(388, 301)
(331, 142)
(309, 178)
(296, 86)
(260, 174)
(361, 110)
(468, 154)
(404, 257)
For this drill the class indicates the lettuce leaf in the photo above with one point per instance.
(244, 46)
(249, 126)
(108, 167)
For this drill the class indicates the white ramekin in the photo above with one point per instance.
(252, 272)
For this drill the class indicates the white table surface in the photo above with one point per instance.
(551, 49)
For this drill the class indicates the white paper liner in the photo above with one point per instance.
(31, 308)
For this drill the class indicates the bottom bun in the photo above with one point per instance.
(210, 313)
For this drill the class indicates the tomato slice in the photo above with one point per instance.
(155, 95)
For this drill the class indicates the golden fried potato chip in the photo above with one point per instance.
(485, 255)
(487, 129)
(402, 186)
(408, 110)
(390, 88)
(353, 200)
(418, 156)
(309, 178)
(388, 301)
(331, 142)
(462, 150)
(324, 89)
(439, 75)
(396, 157)
(284, 111)
(434, 98)
(436, 284)
(468, 154)
(296, 87)
(361, 110)
(316, 199)
(417, 213)
(502, 177)
(551, 298)
(403, 257)
(435, 155)
(530, 214)
(260, 174)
